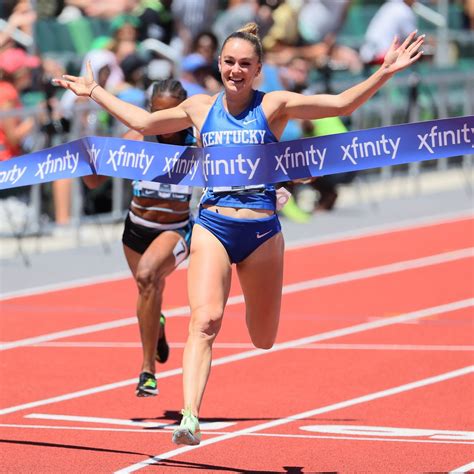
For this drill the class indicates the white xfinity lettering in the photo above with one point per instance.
(370, 149)
(127, 159)
(180, 166)
(434, 138)
(13, 175)
(93, 153)
(228, 167)
(51, 165)
(291, 160)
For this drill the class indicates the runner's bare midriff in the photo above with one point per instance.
(160, 216)
(240, 213)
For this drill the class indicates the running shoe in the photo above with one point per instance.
(147, 386)
(162, 348)
(292, 212)
(188, 431)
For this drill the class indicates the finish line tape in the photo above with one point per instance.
(245, 164)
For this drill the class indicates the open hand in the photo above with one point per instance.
(400, 56)
(81, 86)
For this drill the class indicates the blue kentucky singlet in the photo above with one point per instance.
(250, 127)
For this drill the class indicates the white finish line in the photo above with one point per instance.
(205, 426)
(214, 432)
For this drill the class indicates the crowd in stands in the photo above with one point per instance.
(131, 43)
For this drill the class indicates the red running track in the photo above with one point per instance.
(372, 370)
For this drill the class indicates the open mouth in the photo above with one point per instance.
(235, 81)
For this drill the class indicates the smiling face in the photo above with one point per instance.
(239, 65)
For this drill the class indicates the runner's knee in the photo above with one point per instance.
(262, 341)
(205, 322)
(149, 279)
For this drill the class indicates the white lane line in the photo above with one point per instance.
(357, 438)
(205, 426)
(364, 232)
(255, 435)
(118, 323)
(287, 289)
(390, 431)
(248, 345)
(462, 469)
(95, 419)
(423, 313)
(67, 285)
(299, 416)
(390, 347)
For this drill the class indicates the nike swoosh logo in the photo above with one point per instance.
(259, 235)
(246, 122)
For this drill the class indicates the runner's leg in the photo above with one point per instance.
(261, 279)
(209, 278)
(150, 271)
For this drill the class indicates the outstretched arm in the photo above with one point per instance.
(160, 122)
(399, 57)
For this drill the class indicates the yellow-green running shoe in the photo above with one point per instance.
(294, 213)
(188, 431)
(147, 386)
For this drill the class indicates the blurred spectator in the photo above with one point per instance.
(284, 29)
(133, 88)
(292, 77)
(20, 17)
(295, 75)
(326, 186)
(236, 15)
(319, 18)
(124, 28)
(49, 8)
(206, 45)
(15, 76)
(102, 8)
(283, 41)
(196, 73)
(155, 20)
(109, 75)
(319, 22)
(191, 17)
(160, 69)
(107, 71)
(468, 11)
(393, 18)
(124, 36)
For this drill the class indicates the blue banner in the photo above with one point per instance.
(244, 165)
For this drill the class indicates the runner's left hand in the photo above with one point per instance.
(400, 56)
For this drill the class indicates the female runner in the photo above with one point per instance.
(237, 225)
(156, 238)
